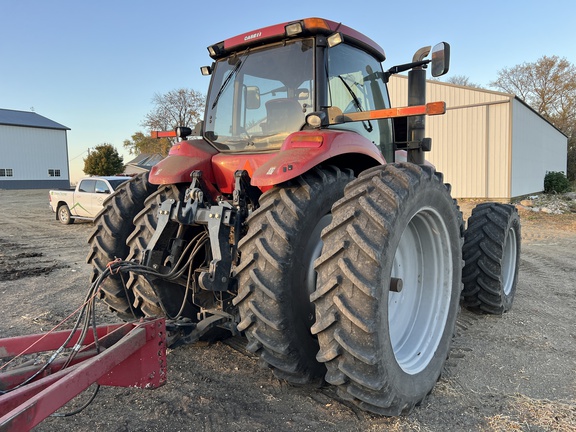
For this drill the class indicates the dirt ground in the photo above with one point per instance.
(515, 372)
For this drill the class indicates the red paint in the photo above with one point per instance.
(257, 36)
(134, 354)
(299, 155)
(300, 152)
(184, 157)
(225, 165)
(311, 26)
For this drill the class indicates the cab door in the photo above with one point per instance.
(355, 83)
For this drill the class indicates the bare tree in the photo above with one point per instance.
(549, 87)
(461, 80)
(181, 107)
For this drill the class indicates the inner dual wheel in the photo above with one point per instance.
(276, 274)
(492, 254)
(112, 227)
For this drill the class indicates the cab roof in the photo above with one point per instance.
(308, 26)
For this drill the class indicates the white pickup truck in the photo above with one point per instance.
(86, 200)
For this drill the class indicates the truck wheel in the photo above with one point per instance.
(276, 272)
(492, 255)
(64, 215)
(112, 226)
(389, 283)
(155, 297)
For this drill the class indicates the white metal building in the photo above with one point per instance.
(33, 152)
(488, 144)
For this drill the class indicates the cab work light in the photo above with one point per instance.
(293, 29)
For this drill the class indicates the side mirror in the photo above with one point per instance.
(252, 97)
(440, 59)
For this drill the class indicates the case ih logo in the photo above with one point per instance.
(252, 36)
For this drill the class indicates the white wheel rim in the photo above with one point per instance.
(417, 314)
(509, 257)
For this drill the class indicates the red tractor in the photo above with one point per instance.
(301, 212)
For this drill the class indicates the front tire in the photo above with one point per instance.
(276, 272)
(492, 254)
(396, 229)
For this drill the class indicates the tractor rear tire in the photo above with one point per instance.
(112, 226)
(492, 255)
(276, 272)
(389, 284)
(155, 297)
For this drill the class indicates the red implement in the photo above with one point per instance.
(131, 355)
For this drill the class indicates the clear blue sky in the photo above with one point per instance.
(94, 66)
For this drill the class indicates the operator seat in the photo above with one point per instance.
(283, 115)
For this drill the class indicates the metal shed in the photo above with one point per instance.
(33, 152)
(488, 144)
(142, 163)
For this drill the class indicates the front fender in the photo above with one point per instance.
(184, 157)
(304, 150)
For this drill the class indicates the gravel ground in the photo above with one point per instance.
(515, 372)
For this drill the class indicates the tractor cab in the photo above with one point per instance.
(286, 98)
(265, 84)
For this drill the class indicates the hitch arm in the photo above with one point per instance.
(218, 219)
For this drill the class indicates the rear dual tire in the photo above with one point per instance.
(385, 350)
(492, 255)
(155, 296)
(112, 226)
(276, 273)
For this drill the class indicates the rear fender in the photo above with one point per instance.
(184, 157)
(304, 150)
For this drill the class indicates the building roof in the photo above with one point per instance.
(28, 119)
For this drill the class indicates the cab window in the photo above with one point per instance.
(355, 84)
(260, 96)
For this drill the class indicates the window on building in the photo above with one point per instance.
(9, 172)
(2, 172)
(51, 172)
(54, 172)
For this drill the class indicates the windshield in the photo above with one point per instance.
(259, 97)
